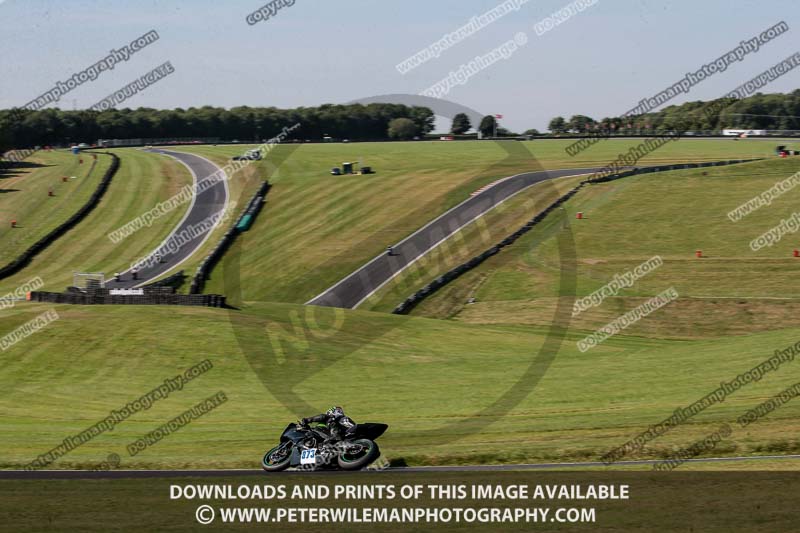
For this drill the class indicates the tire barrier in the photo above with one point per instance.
(25, 258)
(412, 301)
(242, 224)
(148, 296)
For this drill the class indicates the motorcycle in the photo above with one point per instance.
(304, 447)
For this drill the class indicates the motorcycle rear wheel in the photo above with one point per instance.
(282, 463)
(369, 453)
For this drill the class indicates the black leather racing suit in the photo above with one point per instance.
(340, 427)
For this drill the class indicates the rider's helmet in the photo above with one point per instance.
(335, 411)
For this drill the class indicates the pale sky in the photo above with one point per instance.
(600, 62)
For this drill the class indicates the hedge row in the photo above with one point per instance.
(208, 264)
(412, 301)
(27, 256)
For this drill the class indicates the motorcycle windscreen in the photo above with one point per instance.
(370, 430)
(291, 433)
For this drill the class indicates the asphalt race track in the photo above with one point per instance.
(207, 203)
(361, 284)
(138, 474)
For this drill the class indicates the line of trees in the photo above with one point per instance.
(23, 128)
(776, 111)
(488, 126)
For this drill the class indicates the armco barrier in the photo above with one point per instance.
(25, 258)
(208, 264)
(150, 296)
(412, 301)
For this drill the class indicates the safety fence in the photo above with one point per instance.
(25, 258)
(415, 299)
(242, 224)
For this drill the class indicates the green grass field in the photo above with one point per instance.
(731, 290)
(142, 181)
(316, 228)
(416, 374)
(24, 196)
(481, 383)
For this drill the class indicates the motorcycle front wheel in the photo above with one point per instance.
(277, 458)
(358, 454)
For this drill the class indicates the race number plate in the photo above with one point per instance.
(308, 457)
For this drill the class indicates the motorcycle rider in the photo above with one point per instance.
(340, 426)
